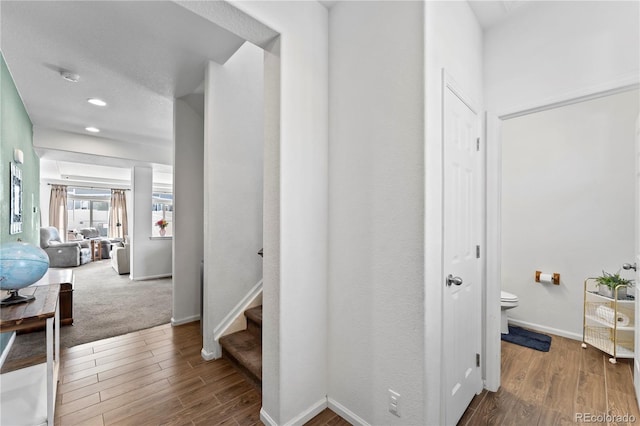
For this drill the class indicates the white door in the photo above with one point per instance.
(636, 376)
(462, 285)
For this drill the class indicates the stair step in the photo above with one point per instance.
(254, 314)
(244, 349)
(254, 321)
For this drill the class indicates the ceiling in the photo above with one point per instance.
(137, 56)
(490, 13)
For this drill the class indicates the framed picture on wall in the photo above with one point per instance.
(15, 227)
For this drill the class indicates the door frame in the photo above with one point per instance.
(493, 224)
(449, 83)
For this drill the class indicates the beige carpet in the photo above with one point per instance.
(105, 304)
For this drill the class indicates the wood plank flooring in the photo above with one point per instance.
(154, 377)
(157, 376)
(553, 388)
(149, 377)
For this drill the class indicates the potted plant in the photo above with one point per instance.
(607, 283)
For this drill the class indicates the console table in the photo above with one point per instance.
(66, 279)
(28, 395)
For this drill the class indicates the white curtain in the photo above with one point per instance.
(58, 209)
(118, 226)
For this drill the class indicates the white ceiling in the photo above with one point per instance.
(137, 56)
(490, 13)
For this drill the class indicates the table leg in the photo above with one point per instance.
(50, 395)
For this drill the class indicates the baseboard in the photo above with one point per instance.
(301, 418)
(5, 352)
(237, 311)
(151, 277)
(186, 320)
(345, 413)
(266, 418)
(309, 413)
(545, 329)
(208, 356)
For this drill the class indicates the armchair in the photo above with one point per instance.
(120, 259)
(63, 255)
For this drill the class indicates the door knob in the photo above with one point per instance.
(628, 266)
(453, 280)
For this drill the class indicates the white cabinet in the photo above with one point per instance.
(608, 322)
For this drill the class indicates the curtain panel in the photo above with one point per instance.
(58, 209)
(118, 226)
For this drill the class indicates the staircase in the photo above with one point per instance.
(244, 348)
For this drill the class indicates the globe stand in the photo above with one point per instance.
(14, 298)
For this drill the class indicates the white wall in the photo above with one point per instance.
(150, 257)
(294, 381)
(553, 49)
(233, 177)
(294, 355)
(453, 42)
(376, 208)
(188, 194)
(567, 204)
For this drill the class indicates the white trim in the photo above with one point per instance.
(621, 84)
(545, 329)
(151, 277)
(192, 318)
(266, 418)
(5, 352)
(450, 83)
(208, 356)
(345, 413)
(238, 310)
(493, 217)
(308, 414)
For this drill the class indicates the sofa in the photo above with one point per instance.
(63, 255)
(105, 243)
(120, 258)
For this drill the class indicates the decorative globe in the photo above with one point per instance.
(21, 264)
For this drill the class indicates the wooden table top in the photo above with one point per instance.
(23, 315)
(55, 276)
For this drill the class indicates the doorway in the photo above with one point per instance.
(554, 175)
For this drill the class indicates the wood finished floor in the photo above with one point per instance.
(154, 377)
(551, 388)
(157, 376)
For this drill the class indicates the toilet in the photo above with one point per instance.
(507, 301)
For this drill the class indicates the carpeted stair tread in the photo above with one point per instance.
(254, 314)
(245, 350)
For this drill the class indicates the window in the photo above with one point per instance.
(88, 208)
(162, 208)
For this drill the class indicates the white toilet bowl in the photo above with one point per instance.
(507, 301)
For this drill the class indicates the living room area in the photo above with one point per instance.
(90, 255)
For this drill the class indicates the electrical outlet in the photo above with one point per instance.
(394, 403)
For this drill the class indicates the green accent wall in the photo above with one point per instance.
(16, 131)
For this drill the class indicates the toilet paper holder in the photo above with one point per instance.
(548, 278)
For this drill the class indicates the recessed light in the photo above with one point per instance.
(97, 102)
(92, 129)
(69, 76)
